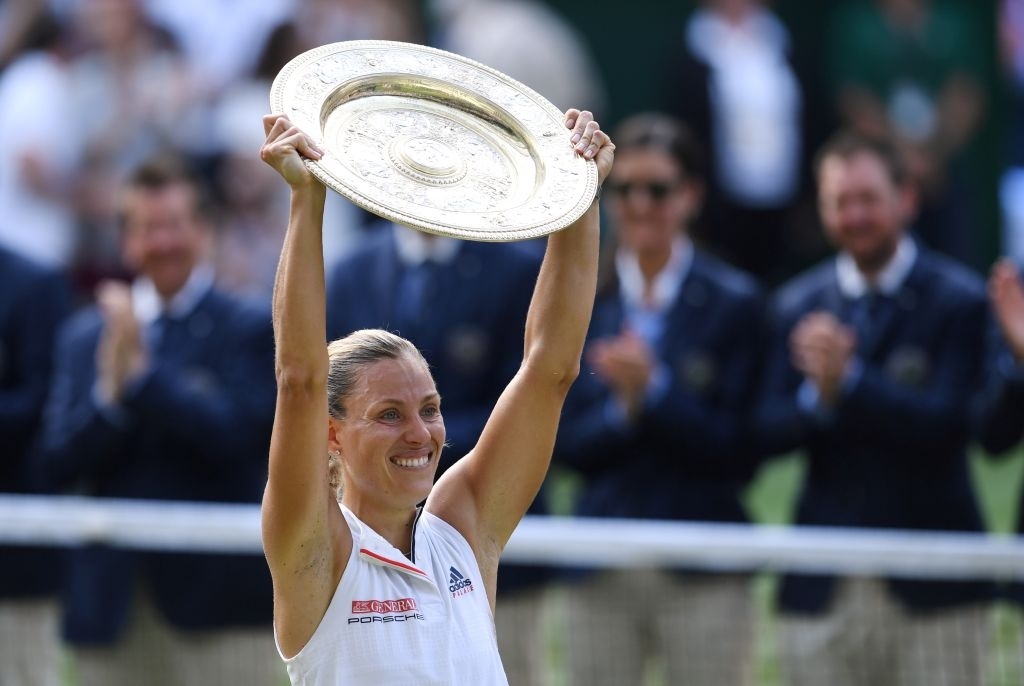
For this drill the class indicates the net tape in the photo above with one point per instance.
(564, 541)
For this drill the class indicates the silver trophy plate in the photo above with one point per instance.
(435, 141)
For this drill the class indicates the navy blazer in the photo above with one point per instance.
(196, 428)
(473, 338)
(687, 456)
(893, 454)
(33, 303)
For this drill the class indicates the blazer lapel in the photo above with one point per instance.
(693, 296)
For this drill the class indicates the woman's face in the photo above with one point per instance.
(390, 440)
(650, 200)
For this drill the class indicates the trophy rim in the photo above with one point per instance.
(474, 225)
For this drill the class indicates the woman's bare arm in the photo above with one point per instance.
(304, 536)
(486, 493)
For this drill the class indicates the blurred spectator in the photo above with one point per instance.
(526, 40)
(131, 92)
(1011, 34)
(318, 22)
(655, 424)
(463, 304)
(735, 84)
(220, 39)
(16, 16)
(132, 85)
(165, 390)
(252, 211)
(912, 71)
(874, 356)
(1002, 403)
(330, 21)
(33, 302)
(42, 144)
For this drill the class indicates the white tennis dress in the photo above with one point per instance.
(393, 621)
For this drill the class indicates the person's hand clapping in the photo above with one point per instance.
(821, 349)
(1006, 292)
(284, 149)
(590, 141)
(626, 363)
(121, 356)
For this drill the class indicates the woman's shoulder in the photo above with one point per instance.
(436, 524)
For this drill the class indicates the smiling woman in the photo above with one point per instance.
(395, 584)
(406, 419)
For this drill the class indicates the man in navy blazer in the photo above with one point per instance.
(33, 302)
(873, 358)
(463, 304)
(656, 422)
(165, 391)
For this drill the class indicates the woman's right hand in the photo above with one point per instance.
(284, 149)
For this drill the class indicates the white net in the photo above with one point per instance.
(628, 620)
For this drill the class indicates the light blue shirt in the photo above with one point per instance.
(647, 315)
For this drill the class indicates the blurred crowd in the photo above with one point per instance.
(791, 263)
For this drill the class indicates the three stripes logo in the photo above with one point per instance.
(458, 584)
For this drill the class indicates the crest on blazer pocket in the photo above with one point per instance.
(908, 365)
(697, 370)
(467, 348)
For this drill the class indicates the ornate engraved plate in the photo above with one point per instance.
(435, 141)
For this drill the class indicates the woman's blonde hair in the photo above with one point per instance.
(347, 357)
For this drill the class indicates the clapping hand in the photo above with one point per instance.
(1007, 296)
(625, 363)
(121, 356)
(821, 349)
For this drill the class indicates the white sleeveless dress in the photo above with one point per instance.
(395, 621)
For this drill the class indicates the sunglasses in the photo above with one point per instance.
(655, 190)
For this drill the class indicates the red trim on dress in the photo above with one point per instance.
(396, 563)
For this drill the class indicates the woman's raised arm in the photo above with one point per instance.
(486, 493)
(303, 531)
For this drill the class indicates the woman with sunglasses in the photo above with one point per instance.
(380, 590)
(655, 424)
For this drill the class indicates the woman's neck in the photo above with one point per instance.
(393, 524)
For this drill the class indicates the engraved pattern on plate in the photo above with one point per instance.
(432, 139)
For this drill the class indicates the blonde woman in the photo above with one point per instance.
(380, 590)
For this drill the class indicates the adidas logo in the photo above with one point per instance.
(458, 584)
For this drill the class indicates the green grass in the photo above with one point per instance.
(998, 484)
(770, 498)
